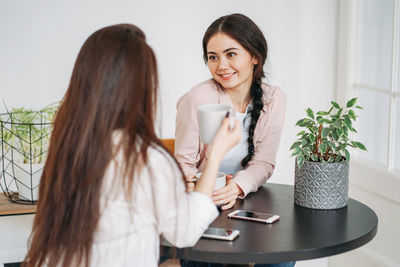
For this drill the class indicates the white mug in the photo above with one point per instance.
(219, 182)
(210, 117)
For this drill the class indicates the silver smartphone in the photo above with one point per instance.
(221, 233)
(254, 216)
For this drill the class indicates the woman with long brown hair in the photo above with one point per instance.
(109, 189)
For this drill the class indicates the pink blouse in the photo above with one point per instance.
(192, 154)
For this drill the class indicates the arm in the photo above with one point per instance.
(187, 143)
(184, 217)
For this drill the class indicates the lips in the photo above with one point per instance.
(227, 76)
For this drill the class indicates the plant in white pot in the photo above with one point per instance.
(30, 131)
(322, 156)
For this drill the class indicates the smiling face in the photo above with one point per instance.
(230, 63)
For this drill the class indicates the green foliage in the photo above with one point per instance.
(325, 134)
(28, 131)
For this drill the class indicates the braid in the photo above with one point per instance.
(256, 94)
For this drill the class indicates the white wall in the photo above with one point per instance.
(39, 41)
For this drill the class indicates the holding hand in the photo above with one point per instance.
(228, 194)
(190, 182)
(225, 138)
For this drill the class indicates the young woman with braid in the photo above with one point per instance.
(235, 50)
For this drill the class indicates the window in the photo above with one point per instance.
(376, 80)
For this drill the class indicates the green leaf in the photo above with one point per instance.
(347, 154)
(300, 161)
(301, 133)
(308, 122)
(299, 122)
(331, 159)
(337, 124)
(314, 157)
(336, 105)
(311, 138)
(296, 151)
(304, 142)
(345, 131)
(320, 120)
(331, 145)
(353, 130)
(323, 147)
(351, 102)
(359, 145)
(338, 158)
(339, 112)
(338, 132)
(347, 121)
(322, 113)
(360, 107)
(295, 144)
(310, 113)
(325, 132)
(335, 136)
(352, 115)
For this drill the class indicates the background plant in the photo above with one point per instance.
(27, 131)
(326, 134)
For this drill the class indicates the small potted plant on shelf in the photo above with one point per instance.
(27, 133)
(322, 156)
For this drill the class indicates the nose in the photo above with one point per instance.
(223, 63)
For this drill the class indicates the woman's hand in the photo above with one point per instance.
(190, 182)
(225, 138)
(228, 194)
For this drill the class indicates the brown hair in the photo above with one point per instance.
(113, 86)
(247, 33)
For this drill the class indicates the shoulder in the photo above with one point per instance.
(157, 155)
(272, 94)
(202, 93)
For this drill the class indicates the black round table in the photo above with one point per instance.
(300, 234)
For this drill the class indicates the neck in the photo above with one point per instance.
(240, 98)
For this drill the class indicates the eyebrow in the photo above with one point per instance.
(226, 50)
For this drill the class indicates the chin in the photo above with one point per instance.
(226, 84)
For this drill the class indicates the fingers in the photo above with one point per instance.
(189, 183)
(226, 200)
(226, 194)
(229, 205)
(229, 177)
(189, 178)
(189, 186)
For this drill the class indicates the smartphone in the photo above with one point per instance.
(221, 233)
(254, 216)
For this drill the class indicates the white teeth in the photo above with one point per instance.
(226, 75)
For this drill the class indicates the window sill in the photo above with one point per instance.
(375, 179)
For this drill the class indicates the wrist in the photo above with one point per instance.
(215, 156)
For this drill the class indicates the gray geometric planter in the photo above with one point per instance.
(321, 185)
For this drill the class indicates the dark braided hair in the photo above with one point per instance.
(247, 33)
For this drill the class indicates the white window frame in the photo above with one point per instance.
(375, 178)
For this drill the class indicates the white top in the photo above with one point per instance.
(230, 163)
(128, 233)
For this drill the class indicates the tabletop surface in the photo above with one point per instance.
(300, 234)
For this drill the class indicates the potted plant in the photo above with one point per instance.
(27, 133)
(322, 156)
